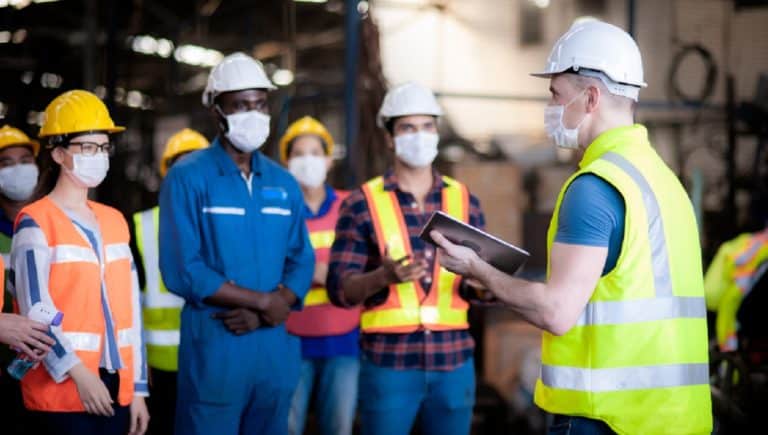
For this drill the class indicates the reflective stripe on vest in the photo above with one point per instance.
(407, 307)
(625, 378)
(163, 338)
(320, 240)
(642, 338)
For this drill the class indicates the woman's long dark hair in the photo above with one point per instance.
(49, 169)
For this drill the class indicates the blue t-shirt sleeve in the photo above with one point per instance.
(592, 214)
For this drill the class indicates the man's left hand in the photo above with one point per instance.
(240, 320)
(456, 258)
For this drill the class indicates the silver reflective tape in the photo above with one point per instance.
(163, 338)
(149, 254)
(276, 210)
(84, 341)
(624, 378)
(162, 300)
(659, 256)
(117, 251)
(126, 337)
(237, 211)
(642, 310)
(73, 254)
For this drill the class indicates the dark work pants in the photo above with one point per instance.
(161, 402)
(82, 423)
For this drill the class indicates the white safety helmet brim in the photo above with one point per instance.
(236, 72)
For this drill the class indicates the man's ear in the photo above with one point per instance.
(593, 98)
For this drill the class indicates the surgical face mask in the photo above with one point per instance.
(417, 150)
(17, 182)
(553, 123)
(88, 171)
(309, 171)
(247, 131)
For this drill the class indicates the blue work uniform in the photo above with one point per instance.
(217, 226)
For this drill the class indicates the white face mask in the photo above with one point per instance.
(248, 130)
(88, 171)
(553, 124)
(417, 150)
(19, 181)
(309, 171)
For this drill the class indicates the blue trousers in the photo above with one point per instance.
(392, 400)
(335, 381)
(234, 385)
(570, 425)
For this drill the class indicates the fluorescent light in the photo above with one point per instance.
(282, 77)
(197, 55)
(27, 77)
(51, 80)
(19, 36)
(164, 48)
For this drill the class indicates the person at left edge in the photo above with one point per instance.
(161, 309)
(18, 178)
(73, 254)
(234, 245)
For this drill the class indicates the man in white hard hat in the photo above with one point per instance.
(417, 352)
(625, 334)
(234, 245)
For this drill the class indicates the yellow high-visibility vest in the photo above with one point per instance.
(637, 358)
(161, 308)
(408, 308)
(736, 268)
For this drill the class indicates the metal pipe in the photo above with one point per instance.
(631, 9)
(351, 56)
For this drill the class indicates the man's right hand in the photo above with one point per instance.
(25, 335)
(398, 271)
(273, 307)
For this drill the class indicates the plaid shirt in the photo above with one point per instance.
(356, 250)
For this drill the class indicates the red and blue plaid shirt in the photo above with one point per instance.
(356, 250)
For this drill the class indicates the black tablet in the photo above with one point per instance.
(502, 255)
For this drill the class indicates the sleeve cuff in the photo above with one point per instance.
(206, 287)
(298, 285)
(60, 370)
(140, 389)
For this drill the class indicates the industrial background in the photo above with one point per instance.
(706, 107)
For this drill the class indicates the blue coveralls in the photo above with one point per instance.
(213, 230)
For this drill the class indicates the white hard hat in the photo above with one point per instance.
(602, 48)
(236, 72)
(408, 99)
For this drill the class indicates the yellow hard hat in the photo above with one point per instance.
(77, 111)
(11, 137)
(182, 142)
(301, 127)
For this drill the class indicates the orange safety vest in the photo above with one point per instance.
(74, 285)
(407, 307)
(320, 318)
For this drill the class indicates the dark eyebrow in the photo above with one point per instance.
(551, 89)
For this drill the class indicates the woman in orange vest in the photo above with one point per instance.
(73, 254)
(329, 335)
